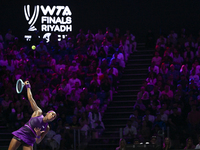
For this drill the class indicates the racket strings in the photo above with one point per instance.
(19, 86)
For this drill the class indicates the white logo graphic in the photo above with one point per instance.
(33, 19)
(47, 37)
(50, 19)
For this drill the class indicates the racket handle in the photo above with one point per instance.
(28, 86)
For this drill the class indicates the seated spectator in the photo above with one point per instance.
(130, 131)
(144, 132)
(79, 108)
(122, 145)
(65, 87)
(163, 70)
(60, 96)
(149, 117)
(167, 92)
(89, 107)
(183, 82)
(177, 60)
(153, 68)
(157, 59)
(84, 122)
(52, 140)
(74, 124)
(188, 54)
(198, 145)
(173, 72)
(99, 36)
(95, 84)
(41, 48)
(161, 41)
(73, 67)
(59, 66)
(95, 119)
(144, 95)
(134, 121)
(73, 80)
(159, 122)
(151, 80)
(164, 116)
(189, 144)
(184, 70)
(155, 94)
(167, 145)
(139, 106)
(194, 76)
(154, 142)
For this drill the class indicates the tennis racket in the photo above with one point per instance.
(19, 86)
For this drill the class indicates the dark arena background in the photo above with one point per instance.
(120, 74)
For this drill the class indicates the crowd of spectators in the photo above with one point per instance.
(76, 77)
(168, 102)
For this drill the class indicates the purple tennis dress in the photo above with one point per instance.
(27, 133)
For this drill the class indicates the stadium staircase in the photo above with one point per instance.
(119, 110)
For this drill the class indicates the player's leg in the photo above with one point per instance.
(14, 144)
(27, 147)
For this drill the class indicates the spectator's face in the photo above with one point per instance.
(158, 117)
(153, 141)
(161, 111)
(189, 142)
(79, 104)
(175, 111)
(167, 141)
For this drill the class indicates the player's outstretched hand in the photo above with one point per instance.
(38, 131)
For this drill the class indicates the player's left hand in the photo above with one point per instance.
(38, 131)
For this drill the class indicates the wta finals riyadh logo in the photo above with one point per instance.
(31, 20)
(51, 19)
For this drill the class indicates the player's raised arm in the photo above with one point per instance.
(36, 109)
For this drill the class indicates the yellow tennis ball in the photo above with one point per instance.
(33, 47)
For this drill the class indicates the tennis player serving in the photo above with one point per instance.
(35, 129)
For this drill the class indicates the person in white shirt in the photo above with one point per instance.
(153, 68)
(194, 76)
(132, 44)
(198, 145)
(66, 87)
(150, 117)
(157, 59)
(78, 90)
(95, 119)
(73, 80)
(113, 70)
(129, 130)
